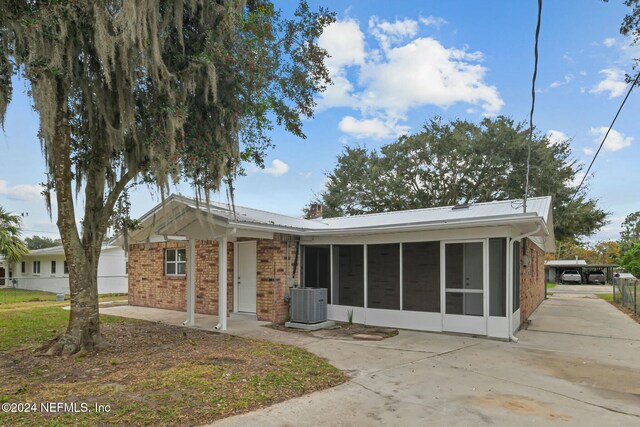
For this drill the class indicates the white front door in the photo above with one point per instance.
(464, 288)
(246, 271)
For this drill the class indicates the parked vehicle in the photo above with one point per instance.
(596, 276)
(624, 276)
(571, 276)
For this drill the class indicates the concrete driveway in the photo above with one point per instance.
(577, 364)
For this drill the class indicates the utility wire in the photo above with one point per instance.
(635, 82)
(533, 105)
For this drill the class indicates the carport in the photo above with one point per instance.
(553, 269)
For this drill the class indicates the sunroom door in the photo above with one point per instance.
(464, 288)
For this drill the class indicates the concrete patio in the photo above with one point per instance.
(576, 364)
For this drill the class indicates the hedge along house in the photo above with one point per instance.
(476, 269)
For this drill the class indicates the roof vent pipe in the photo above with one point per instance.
(463, 206)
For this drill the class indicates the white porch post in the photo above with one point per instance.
(191, 284)
(222, 283)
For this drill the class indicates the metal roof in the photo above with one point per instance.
(566, 263)
(491, 213)
(57, 250)
(538, 206)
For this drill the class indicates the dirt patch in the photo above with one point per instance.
(521, 405)
(343, 331)
(157, 374)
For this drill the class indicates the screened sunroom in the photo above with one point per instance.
(453, 276)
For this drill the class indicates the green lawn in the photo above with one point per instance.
(551, 285)
(606, 297)
(8, 296)
(150, 373)
(25, 326)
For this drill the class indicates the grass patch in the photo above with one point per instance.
(12, 296)
(150, 373)
(551, 285)
(606, 297)
(28, 325)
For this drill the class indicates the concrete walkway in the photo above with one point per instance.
(577, 364)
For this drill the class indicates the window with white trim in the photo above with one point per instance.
(175, 262)
(53, 268)
(36, 267)
(65, 268)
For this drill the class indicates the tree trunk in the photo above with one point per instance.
(83, 331)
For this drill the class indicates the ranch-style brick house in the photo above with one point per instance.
(475, 269)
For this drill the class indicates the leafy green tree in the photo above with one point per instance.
(152, 92)
(631, 26)
(630, 261)
(608, 252)
(41, 242)
(449, 163)
(11, 247)
(571, 249)
(630, 233)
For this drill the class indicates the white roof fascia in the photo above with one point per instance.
(435, 225)
(430, 225)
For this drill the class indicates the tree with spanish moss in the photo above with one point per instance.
(151, 92)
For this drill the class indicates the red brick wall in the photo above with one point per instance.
(532, 282)
(149, 287)
(274, 277)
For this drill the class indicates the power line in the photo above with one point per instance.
(533, 105)
(605, 138)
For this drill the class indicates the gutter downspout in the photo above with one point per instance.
(512, 337)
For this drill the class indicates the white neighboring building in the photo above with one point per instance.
(46, 270)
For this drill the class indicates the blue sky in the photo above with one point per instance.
(397, 64)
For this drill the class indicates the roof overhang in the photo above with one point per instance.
(175, 218)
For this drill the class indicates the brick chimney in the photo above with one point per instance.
(315, 211)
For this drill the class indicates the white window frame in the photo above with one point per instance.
(176, 262)
(65, 268)
(54, 267)
(34, 270)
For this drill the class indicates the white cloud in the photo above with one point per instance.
(404, 71)
(424, 72)
(436, 21)
(21, 192)
(371, 128)
(613, 83)
(615, 141)
(555, 137)
(278, 167)
(391, 33)
(566, 80)
(609, 42)
(339, 94)
(588, 151)
(344, 42)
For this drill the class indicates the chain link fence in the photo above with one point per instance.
(625, 293)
